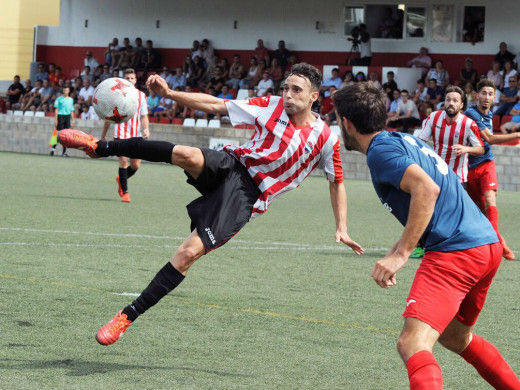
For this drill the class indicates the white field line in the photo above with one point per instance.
(254, 245)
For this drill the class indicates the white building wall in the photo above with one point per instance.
(182, 21)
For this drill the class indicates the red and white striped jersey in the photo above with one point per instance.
(279, 155)
(464, 131)
(132, 127)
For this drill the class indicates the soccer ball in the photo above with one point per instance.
(115, 100)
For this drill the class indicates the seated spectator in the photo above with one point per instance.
(470, 95)
(423, 61)
(112, 48)
(468, 74)
(291, 61)
(396, 98)
(374, 77)
(47, 96)
(334, 80)
(195, 50)
(264, 84)
(494, 74)
(206, 51)
(360, 77)
(509, 97)
(236, 72)
(434, 94)
(150, 58)
(421, 95)
(167, 76)
(327, 110)
(282, 55)
(53, 79)
(92, 114)
(514, 124)
(503, 55)
(14, 93)
(390, 86)
(86, 74)
(60, 75)
(116, 72)
(348, 79)
(26, 95)
(407, 115)
(106, 73)
(261, 52)
(153, 101)
(42, 73)
(262, 67)
(34, 97)
(276, 72)
(217, 81)
(441, 75)
(178, 79)
(209, 73)
(90, 61)
(97, 75)
(84, 112)
(85, 95)
(247, 81)
(506, 74)
(123, 55)
(135, 54)
(196, 72)
(160, 111)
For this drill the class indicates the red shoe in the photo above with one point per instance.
(111, 332)
(508, 253)
(76, 139)
(126, 198)
(119, 188)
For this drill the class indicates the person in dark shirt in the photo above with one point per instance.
(282, 55)
(468, 74)
(390, 86)
(13, 93)
(503, 55)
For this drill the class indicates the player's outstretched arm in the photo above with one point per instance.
(423, 196)
(338, 199)
(493, 139)
(196, 101)
(471, 150)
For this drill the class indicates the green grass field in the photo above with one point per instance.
(281, 306)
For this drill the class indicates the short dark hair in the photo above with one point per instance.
(129, 71)
(485, 83)
(433, 80)
(309, 72)
(405, 91)
(454, 88)
(363, 104)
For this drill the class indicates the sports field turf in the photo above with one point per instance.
(281, 306)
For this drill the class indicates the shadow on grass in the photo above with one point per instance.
(84, 368)
(78, 198)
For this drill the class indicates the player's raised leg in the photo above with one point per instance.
(167, 279)
(481, 354)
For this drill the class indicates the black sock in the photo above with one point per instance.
(123, 179)
(131, 171)
(165, 281)
(155, 151)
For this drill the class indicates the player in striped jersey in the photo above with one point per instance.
(237, 183)
(129, 129)
(455, 136)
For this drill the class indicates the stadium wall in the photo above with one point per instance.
(92, 24)
(31, 135)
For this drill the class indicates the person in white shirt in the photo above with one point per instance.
(407, 114)
(264, 85)
(90, 60)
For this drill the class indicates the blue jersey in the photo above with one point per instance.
(456, 223)
(483, 121)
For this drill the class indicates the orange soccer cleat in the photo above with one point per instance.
(126, 198)
(111, 332)
(77, 139)
(119, 188)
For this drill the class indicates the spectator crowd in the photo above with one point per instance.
(204, 70)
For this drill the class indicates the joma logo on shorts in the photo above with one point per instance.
(278, 120)
(210, 235)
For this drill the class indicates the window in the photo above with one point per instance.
(415, 22)
(354, 16)
(473, 24)
(442, 25)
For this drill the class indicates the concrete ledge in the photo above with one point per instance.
(32, 135)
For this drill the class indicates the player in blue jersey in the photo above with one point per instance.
(482, 175)
(462, 249)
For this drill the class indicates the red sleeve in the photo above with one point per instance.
(338, 166)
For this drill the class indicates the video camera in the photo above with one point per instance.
(356, 31)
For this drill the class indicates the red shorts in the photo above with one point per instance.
(449, 284)
(480, 179)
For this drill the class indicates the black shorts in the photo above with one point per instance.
(228, 196)
(63, 122)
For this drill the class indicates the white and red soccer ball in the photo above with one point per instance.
(115, 100)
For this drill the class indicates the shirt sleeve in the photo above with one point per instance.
(474, 135)
(331, 163)
(144, 105)
(246, 111)
(426, 132)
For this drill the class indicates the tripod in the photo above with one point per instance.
(353, 50)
